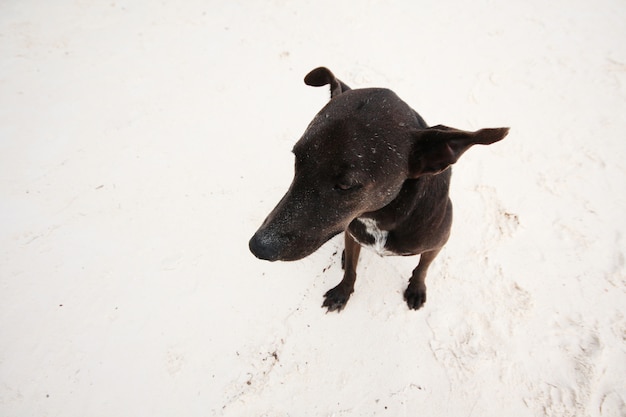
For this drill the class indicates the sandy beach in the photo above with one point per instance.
(142, 144)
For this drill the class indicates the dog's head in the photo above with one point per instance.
(353, 159)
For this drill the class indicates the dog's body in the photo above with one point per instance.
(368, 165)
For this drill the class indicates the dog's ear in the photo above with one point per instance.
(322, 76)
(438, 147)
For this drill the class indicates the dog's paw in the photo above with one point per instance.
(335, 299)
(415, 297)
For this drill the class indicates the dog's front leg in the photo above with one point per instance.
(415, 294)
(336, 298)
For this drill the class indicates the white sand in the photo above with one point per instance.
(142, 143)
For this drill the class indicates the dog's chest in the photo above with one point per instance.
(367, 233)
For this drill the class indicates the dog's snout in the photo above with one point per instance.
(262, 248)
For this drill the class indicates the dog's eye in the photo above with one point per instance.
(347, 186)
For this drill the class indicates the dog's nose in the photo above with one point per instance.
(262, 248)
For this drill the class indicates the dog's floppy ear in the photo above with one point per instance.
(322, 76)
(438, 147)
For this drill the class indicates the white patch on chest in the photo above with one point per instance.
(380, 236)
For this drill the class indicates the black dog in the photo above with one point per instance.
(368, 165)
